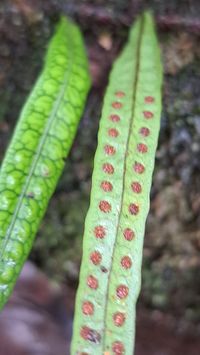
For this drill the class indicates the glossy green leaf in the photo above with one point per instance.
(37, 152)
(110, 277)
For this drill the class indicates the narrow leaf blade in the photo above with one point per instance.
(42, 139)
(110, 275)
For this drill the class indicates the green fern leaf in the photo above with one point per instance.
(42, 139)
(110, 276)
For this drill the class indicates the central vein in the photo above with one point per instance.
(124, 172)
(41, 144)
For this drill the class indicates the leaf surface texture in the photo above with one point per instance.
(36, 155)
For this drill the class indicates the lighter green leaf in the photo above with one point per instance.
(110, 277)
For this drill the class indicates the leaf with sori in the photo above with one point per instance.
(36, 155)
(110, 276)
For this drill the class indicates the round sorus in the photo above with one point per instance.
(106, 186)
(128, 234)
(92, 282)
(139, 168)
(113, 132)
(144, 131)
(122, 291)
(149, 99)
(126, 262)
(90, 334)
(133, 209)
(95, 257)
(88, 308)
(148, 114)
(119, 94)
(105, 206)
(118, 348)
(117, 105)
(108, 168)
(119, 319)
(109, 149)
(99, 232)
(136, 187)
(114, 118)
(142, 148)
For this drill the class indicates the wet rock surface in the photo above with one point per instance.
(172, 244)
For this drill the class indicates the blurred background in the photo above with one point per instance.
(38, 318)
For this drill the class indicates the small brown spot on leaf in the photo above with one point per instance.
(45, 172)
(104, 269)
(30, 195)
